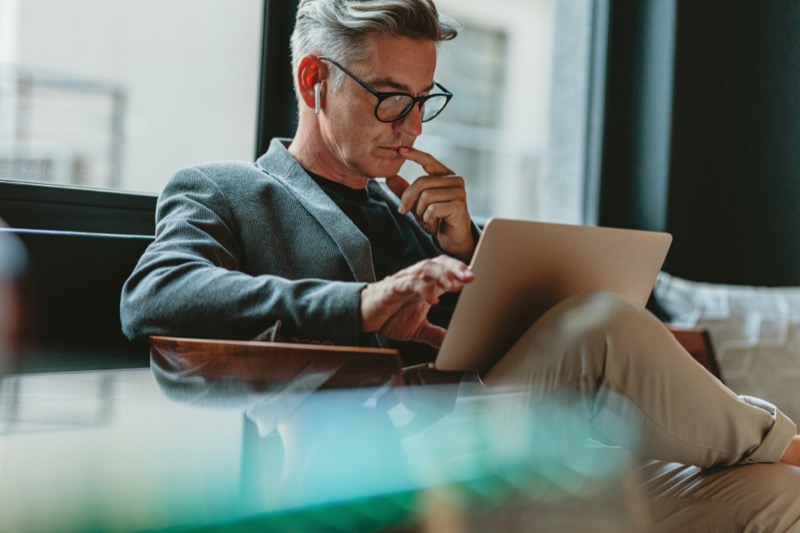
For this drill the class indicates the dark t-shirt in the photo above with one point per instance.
(395, 246)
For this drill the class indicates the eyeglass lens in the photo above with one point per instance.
(394, 107)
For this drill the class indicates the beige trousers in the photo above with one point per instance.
(713, 454)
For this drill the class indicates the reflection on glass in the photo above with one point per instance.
(180, 451)
(84, 403)
(483, 451)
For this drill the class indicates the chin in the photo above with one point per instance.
(388, 168)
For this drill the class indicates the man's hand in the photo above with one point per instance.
(397, 306)
(439, 203)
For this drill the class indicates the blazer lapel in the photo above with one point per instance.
(355, 248)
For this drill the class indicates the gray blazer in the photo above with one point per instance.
(241, 247)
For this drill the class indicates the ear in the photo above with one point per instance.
(310, 72)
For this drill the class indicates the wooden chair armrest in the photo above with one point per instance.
(275, 362)
(698, 343)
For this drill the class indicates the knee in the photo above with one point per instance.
(599, 313)
(600, 325)
(578, 335)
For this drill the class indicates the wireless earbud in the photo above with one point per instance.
(316, 98)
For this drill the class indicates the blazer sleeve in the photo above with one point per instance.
(189, 282)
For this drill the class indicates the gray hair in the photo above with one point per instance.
(338, 28)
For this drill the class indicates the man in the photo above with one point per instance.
(306, 245)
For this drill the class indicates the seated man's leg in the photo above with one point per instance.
(753, 498)
(630, 372)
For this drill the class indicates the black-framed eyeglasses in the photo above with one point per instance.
(392, 107)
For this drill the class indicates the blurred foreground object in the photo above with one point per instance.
(322, 457)
(12, 268)
(139, 451)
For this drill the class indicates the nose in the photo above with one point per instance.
(411, 124)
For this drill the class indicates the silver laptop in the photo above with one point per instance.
(524, 268)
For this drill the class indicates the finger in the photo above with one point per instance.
(433, 216)
(452, 264)
(430, 164)
(451, 199)
(429, 279)
(411, 196)
(449, 272)
(416, 285)
(397, 184)
(430, 334)
(429, 289)
(440, 267)
(448, 216)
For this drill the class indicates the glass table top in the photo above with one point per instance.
(155, 449)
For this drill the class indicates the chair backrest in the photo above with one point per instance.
(71, 300)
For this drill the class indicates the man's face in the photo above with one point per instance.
(359, 143)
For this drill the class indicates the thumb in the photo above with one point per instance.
(430, 334)
(397, 184)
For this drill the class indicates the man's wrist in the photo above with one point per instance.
(462, 253)
(366, 304)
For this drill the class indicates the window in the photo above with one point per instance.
(131, 90)
(516, 127)
(121, 93)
